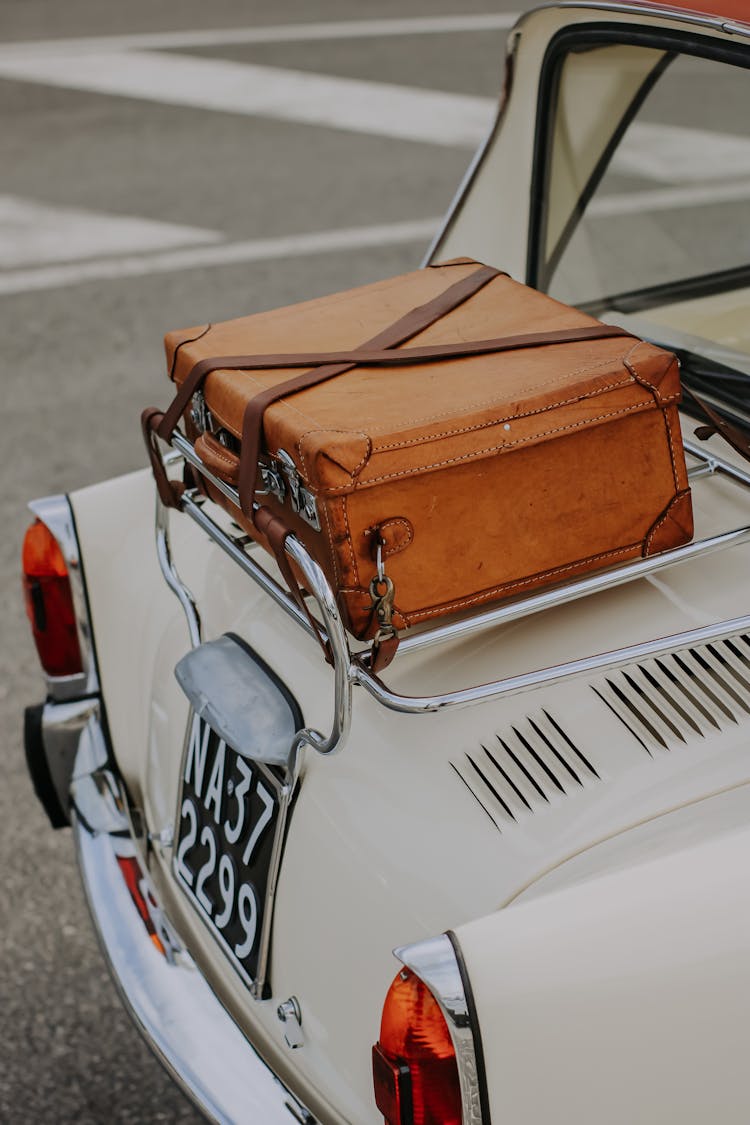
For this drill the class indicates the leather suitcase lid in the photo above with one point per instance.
(374, 424)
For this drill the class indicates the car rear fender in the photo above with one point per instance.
(622, 998)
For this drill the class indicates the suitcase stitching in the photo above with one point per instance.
(319, 430)
(649, 538)
(508, 586)
(505, 586)
(422, 420)
(670, 439)
(349, 543)
(226, 458)
(333, 551)
(494, 448)
(661, 403)
(641, 378)
(491, 401)
(505, 418)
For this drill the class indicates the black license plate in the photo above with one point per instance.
(227, 822)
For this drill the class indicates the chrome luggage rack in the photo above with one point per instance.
(352, 668)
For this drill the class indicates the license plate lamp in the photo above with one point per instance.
(241, 698)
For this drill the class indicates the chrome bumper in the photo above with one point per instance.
(172, 1005)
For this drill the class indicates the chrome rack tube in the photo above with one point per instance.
(350, 670)
(333, 629)
(343, 670)
(584, 587)
(314, 580)
(171, 577)
(604, 580)
(716, 464)
(192, 505)
(514, 685)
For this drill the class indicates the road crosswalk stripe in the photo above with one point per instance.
(187, 257)
(664, 153)
(376, 108)
(34, 233)
(418, 232)
(285, 33)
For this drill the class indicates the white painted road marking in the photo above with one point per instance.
(35, 233)
(664, 153)
(418, 231)
(228, 253)
(286, 33)
(377, 108)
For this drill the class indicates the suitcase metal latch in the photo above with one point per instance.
(273, 481)
(303, 502)
(200, 414)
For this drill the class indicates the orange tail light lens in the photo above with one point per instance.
(131, 873)
(414, 1062)
(49, 602)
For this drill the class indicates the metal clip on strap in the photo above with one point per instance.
(382, 592)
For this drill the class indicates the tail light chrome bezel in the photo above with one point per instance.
(56, 514)
(439, 965)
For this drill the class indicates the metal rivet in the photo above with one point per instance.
(506, 426)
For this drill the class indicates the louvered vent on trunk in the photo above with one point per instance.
(529, 767)
(665, 703)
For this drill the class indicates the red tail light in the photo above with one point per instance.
(414, 1063)
(49, 603)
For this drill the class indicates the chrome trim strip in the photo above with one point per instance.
(169, 1000)
(434, 962)
(56, 513)
(715, 23)
(62, 728)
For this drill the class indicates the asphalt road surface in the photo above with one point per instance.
(163, 165)
(138, 193)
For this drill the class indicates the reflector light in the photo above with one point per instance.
(49, 602)
(414, 1063)
(131, 873)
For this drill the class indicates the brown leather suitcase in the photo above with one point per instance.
(470, 436)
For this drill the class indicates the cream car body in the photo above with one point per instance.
(598, 891)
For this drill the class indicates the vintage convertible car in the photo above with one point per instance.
(542, 807)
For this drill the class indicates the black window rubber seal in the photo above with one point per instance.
(583, 37)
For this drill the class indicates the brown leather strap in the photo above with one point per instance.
(169, 491)
(276, 532)
(415, 321)
(738, 440)
(383, 653)
(371, 355)
(407, 326)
